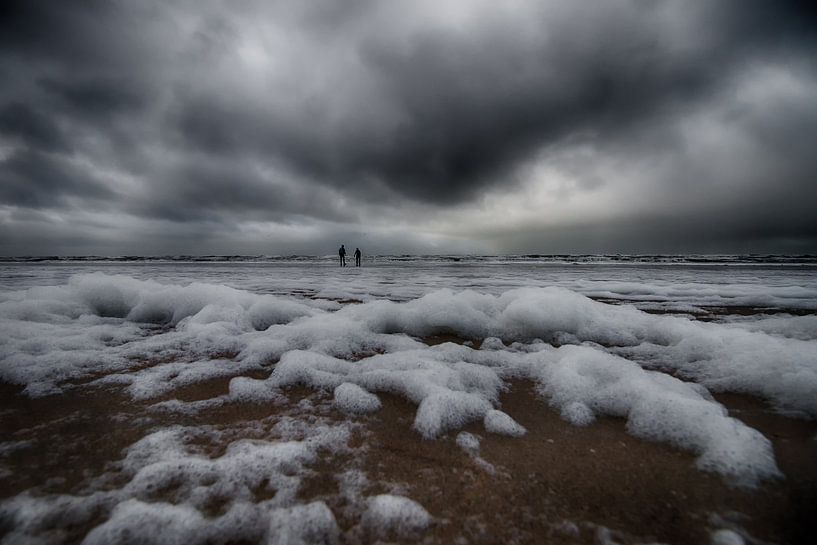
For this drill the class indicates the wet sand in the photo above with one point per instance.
(557, 484)
(564, 484)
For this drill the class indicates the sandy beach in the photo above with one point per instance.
(557, 484)
(334, 417)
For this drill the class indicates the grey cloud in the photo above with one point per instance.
(37, 180)
(97, 97)
(201, 190)
(470, 106)
(80, 36)
(19, 122)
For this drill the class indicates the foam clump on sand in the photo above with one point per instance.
(451, 410)
(577, 413)
(501, 423)
(448, 396)
(468, 442)
(134, 521)
(580, 381)
(387, 514)
(171, 490)
(308, 524)
(492, 343)
(725, 536)
(351, 398)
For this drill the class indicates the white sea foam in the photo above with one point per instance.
(468, 442)
(303, 525)
(577, 413)
(171, 486)
(725, 536)
(501, 423)
(793, 327)
(388, 513)
(581, 381)
(351, 398)
(153, 338)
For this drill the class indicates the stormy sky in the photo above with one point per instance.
(280, 127)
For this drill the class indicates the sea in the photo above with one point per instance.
(764, 281)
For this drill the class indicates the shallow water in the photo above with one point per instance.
(278, 401)
(739, 284)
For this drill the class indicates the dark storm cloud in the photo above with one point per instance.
(96, 97)
(227, 112)
(472, 105)
(89, 34)
(211, 191)
(37, 180)
(18, 121)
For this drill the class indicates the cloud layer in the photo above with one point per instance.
(232, 127)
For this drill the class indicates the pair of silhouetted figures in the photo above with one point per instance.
(342, 255)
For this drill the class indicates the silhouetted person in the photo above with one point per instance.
(342, 254)
(357, 257)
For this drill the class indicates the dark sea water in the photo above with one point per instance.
(773, 282)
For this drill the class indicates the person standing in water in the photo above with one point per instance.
(342, 255)
(357, 257)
